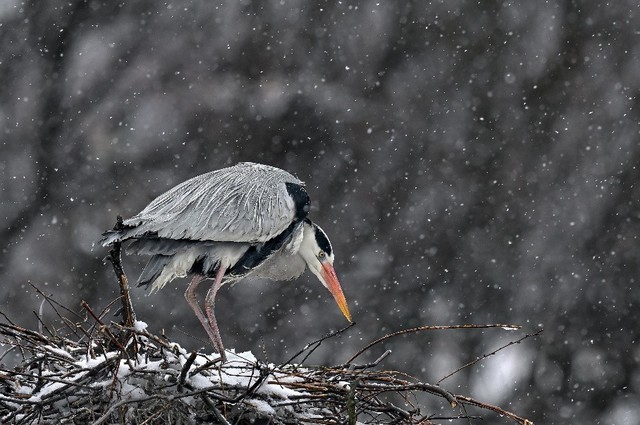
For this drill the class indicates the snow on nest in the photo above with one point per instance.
(154, 379)
(143, 376)
(140, 326)
(240, 371)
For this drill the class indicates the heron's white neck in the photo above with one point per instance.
(308, 246)
(309, 250)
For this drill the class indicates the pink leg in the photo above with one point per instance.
(192, 299)
(209, 304)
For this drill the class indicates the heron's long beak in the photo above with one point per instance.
(331, 280)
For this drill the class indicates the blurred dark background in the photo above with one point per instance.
(472, 162)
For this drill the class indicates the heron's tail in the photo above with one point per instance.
(128, 231)
(153, 269)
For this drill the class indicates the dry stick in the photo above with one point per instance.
(128, 315)
(496, 409)
(39, 315)
(158, 340)
(41, 324)
(7, 318)
(168, 399)
(104, 328)
(52, 379)
(317, 343)
(121, 347)
(185, 369)
(107, 308)
(155, 415)
(428, 328)
(484, 356)
(215, 410)
(372, 364)
(421, 386)
(205, 365)
(450, 418)
(53, 303)
(18, 332)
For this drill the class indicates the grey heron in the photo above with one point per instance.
(245, 220)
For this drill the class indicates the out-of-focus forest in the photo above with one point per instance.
(472, 162)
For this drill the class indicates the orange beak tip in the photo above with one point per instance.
(329, 275)
(347, 314)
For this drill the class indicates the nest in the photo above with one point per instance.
(114, 374)
(89, 371)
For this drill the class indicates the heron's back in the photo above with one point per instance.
(247, 202)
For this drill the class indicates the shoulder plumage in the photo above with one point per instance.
(247, 202)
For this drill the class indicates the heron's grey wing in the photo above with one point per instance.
(243, 203)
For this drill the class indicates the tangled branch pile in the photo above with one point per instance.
(93, 377)
(87, 371)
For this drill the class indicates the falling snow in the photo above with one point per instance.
(472, 162)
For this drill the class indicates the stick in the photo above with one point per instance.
(496, 409)
(471, 363)
(185, 369)
(372, 364)
(317, 343)
(429, 328)
(104, 328)
(115, 257)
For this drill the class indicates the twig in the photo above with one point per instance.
(39, 317)
(206, 366)
(372, 364)
(53, 303)
(18, 331)
(7, 318)
(484, 356)
(128, 314)
(103, 327)
(161, 341)
(215, 410)
(496, 409)
(185, 369)
(41, 324)
(428, 328)
(451, 418)
(315, 344)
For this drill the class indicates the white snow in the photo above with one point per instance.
(58, 351)
(261, 406)
(241, 372)
(140, 326)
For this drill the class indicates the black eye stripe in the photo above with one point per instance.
(322, 240)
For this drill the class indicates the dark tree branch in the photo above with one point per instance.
(428, 328)
(471, 363)
(115, 257)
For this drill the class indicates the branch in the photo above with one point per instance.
(429, 328)
(315, 344)
(115, 257)
(471, 363)
(496, 409)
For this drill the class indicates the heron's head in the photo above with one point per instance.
(316, 251)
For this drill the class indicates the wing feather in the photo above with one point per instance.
(244, 203)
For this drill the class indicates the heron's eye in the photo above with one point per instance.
(321, 254)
